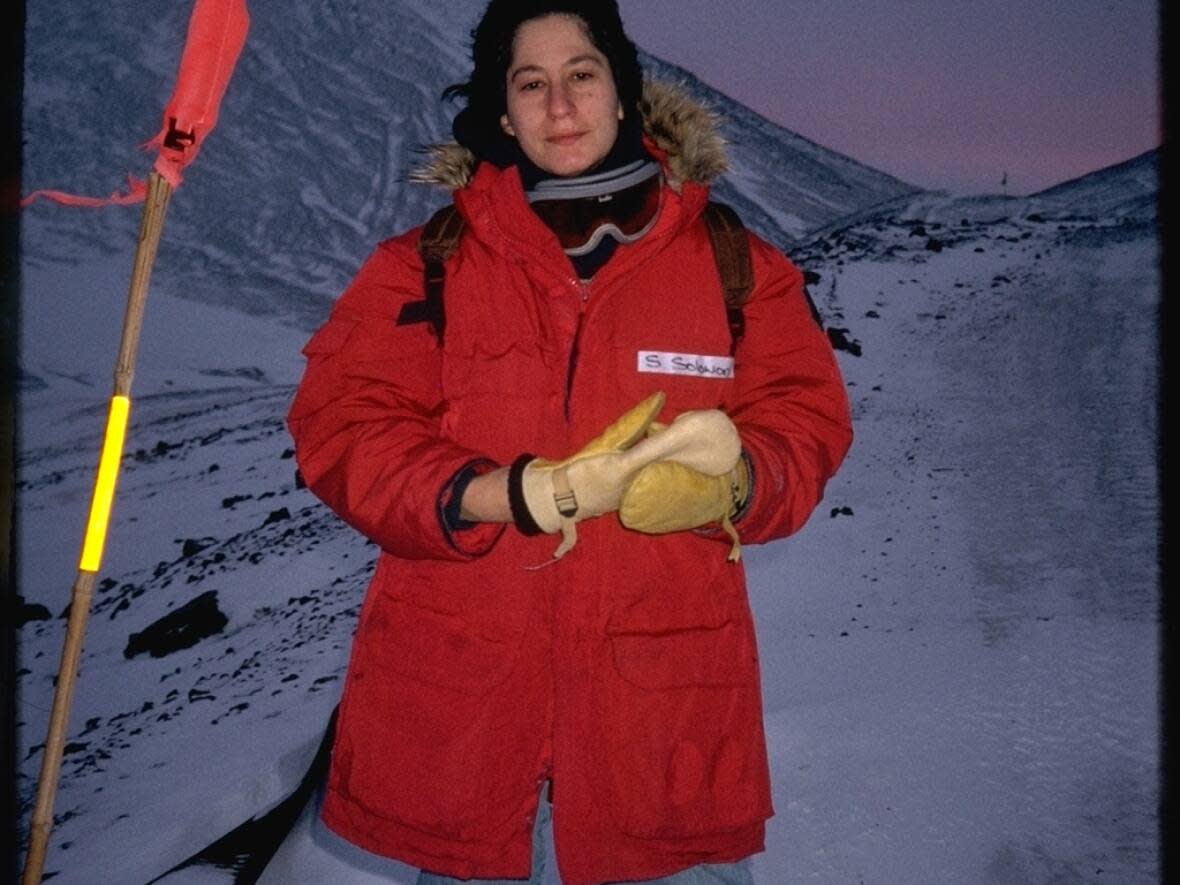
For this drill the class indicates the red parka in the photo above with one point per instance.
(626, 673)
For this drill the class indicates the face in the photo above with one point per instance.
(562, 105)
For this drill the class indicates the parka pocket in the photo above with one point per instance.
(684, 658)
(431, 701)
(447, 651)
(440, 624)
(682, 742)
(422, 756)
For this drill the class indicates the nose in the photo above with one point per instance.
(560, 103)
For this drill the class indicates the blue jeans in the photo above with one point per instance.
(706, 874)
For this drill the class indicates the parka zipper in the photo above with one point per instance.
(584, 297)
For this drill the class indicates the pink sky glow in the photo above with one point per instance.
(948, 94)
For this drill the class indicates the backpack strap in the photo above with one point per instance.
(731, 251)
(439, 239)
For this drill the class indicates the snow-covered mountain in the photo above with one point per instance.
(1127, 189)
(328, 109)
(959, 650)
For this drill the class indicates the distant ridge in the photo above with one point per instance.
(1130, 187)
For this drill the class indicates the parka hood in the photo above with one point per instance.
(679, 126)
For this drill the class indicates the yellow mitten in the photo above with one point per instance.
(551, 496)
(666, 496)
(548, 496)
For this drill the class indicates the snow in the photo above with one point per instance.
(969, 695)
(959, 650)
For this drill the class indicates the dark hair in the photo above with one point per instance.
(478, 123)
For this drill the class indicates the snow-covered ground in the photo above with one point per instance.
(959, 649)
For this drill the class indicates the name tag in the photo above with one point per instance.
(698, 366)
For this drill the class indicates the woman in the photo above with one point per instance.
(619, 682)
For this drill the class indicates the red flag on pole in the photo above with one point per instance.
(216, 34)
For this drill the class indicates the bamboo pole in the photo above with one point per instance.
(151, 226)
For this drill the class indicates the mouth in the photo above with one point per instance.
(565, 140)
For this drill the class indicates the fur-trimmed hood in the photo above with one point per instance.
(686, 131)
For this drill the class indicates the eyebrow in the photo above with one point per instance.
(576, 60)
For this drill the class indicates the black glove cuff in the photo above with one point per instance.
(524, 521)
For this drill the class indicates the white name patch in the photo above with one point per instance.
(660, 363)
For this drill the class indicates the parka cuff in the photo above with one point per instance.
(471, 539)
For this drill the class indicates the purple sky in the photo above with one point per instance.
(941, 93)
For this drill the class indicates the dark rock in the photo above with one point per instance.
(30, 611)
(193, 546)
(841, 341)
(934, 244)
(278, 516)
(197, 619)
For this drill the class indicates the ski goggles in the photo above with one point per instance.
(623, 203)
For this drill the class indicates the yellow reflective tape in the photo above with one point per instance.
(104, 485)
